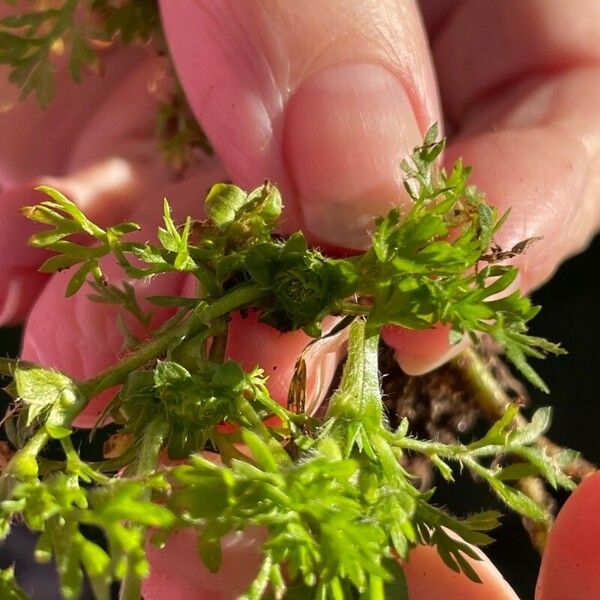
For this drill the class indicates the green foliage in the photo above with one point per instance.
(57, 508)
(178, 132)
(330, 493)
(34, 43)
(193, 404)
(41, 389)
(9, 589)
(422, 267)
(130, 20)
(301, 286)
(31, 43)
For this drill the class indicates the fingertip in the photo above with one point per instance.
(540, 176)
(255, 344)
(177, 571)
(296, 91)
(419, 351)
(429, 578)
(571, 561)
(19, 263)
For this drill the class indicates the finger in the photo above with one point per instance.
(428, 578)
(543, 176)
(105, 132)
(486, 46)
(435, 14)
(177, 572)
(571, 561)
(38, 142)
(419, 351)
(323, 100)
(82, 338)
(79, 324)
(521, 83)
(107, 191)
(176, 569)
(254, 344)
(21, 282)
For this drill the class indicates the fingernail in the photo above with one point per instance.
(346, 130)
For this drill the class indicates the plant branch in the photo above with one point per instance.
(116, 374)
(493, 400)
(152, 443)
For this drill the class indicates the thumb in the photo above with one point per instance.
(322, 99)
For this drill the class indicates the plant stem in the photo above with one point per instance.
(236, 298)
(358, 397)
(24, 463)
(218, 347)
(493, 400)
(537, 531)
(8, 365)
(152, 443)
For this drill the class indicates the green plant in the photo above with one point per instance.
(312, 483)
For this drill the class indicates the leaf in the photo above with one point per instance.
(518, 501)
(396, 587)
(131, 20)
(498, 433)
(516, 471)
(260, 451)
(42, 389)
(167, 373)
(486, 225)
(97, 565)
(444, 469)
(80, 277)
(182, 260)
(41, 33)
(69, 208)
(539, 424)
(9, 588)
(210, 553)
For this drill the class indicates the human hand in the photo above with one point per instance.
(354, 166)
(326, 114)
(282, 103)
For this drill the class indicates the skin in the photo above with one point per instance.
(324, 101)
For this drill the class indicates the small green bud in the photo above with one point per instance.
(223, 203)
(269, 200)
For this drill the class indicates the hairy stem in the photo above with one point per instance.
(152, 443)
(8, 365)
(537, 531)
(236, 298)
(24, 463)
(493, 400)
